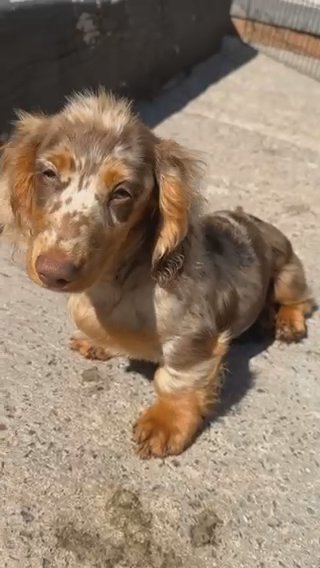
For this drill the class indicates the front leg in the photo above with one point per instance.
(88, 349)
(91, 340)
(187, 388)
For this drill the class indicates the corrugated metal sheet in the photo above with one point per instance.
(289, 31)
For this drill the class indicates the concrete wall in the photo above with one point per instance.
(50, 48)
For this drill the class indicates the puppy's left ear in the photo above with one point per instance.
(177, 175)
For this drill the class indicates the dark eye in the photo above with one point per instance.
(121, 193)
(49, 173)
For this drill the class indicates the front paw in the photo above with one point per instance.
(290, 325)
(164, 429)
(88, 350)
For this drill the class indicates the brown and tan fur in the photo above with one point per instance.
(111, 214)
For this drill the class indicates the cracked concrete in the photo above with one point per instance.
(247, 493)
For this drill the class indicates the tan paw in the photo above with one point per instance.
(88, 350)
(290, 324)
(164, 430)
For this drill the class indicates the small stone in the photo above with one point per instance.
(203, 532)
(27, 516)
(91, 375)
(311, 511)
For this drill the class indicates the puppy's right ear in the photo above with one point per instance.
(6, 215)
(17, 169)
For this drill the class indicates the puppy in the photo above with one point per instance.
(111, 214)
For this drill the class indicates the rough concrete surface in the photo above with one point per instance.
(247, 493)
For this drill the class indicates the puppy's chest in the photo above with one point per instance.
(132, 309)
(115, 308)
(123, 321)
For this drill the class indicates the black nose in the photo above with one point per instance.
(56, 270)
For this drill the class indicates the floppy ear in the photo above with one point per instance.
(17, 170)
(177, 173)
(6, 215)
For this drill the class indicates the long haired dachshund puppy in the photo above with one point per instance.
(111, 214)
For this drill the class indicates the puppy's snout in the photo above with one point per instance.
(56, 270)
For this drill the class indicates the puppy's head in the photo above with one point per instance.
(85, 187)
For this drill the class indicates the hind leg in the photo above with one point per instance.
(295, 302)
(264, 327)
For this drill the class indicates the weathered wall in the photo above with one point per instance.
(49, 49)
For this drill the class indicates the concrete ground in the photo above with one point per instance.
(247, 493)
